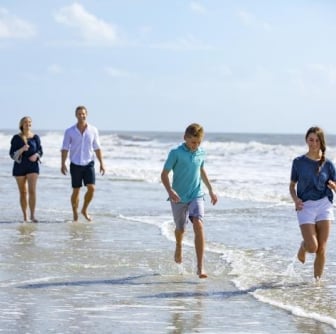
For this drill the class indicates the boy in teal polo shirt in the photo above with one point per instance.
(185, 193)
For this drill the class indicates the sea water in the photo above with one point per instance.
(117, 274)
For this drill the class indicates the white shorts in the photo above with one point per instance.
(315, 211)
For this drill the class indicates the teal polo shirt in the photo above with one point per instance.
(186, 166)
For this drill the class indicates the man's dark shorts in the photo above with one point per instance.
(82, 174)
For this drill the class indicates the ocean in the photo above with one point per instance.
(117, 273)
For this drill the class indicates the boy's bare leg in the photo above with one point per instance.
(199, 247)
(178, 249)
(87, 199)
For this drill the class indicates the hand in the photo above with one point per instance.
(298, 205)
(34, 157)
(331, 185)
(25, 148)
(174, 197)
(64, 170)
(214, 198)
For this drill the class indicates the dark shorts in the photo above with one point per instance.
(25, 167)
(82, 174)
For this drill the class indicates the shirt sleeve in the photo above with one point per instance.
(66, 140)
(16, 144)
(96, 142)
(171, 160)
(39, 149)
(294, 174)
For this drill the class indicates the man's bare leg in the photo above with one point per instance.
(75, 203)
(87, 199)
(178, 250)
(199, 247)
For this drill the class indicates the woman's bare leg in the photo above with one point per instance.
(323, 230)
(32, 181)
(22, 185)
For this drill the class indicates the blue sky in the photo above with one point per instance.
(233, 66)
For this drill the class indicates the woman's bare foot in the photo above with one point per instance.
(201, 274)
(86, 215)
(178, 254)
(301, 255)
(75, 217)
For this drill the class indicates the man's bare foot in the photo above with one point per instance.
(301, 255)
(86, 215)
(201, 274)
(178, 254)
(34, 220)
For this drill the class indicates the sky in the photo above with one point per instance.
(158, 65)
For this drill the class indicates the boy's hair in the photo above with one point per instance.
(194, 130)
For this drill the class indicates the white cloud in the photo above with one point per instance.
(225, 71)
(14, 27)
(116, 73)
(197, 7)
(183, 43)
(91, 28)
(55, 69)
(246, 17)
(314, 80)
(249, 19)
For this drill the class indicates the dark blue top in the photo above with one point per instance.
(23, 165)
(310, 184)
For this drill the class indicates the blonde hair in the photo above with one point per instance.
(194, 130)
(22, 120)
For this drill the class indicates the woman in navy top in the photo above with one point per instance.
(312, 181)
(26, 151)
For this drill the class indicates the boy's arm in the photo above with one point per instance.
(173, 196)
(207, 183)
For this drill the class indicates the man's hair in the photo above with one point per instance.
(194, 130)
(80, 108)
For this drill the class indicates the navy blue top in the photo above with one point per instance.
(23, 165)
(310, 184)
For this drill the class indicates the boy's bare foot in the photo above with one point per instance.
(178, 254)
(301, 255)
(201, 274)
(86, 215)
